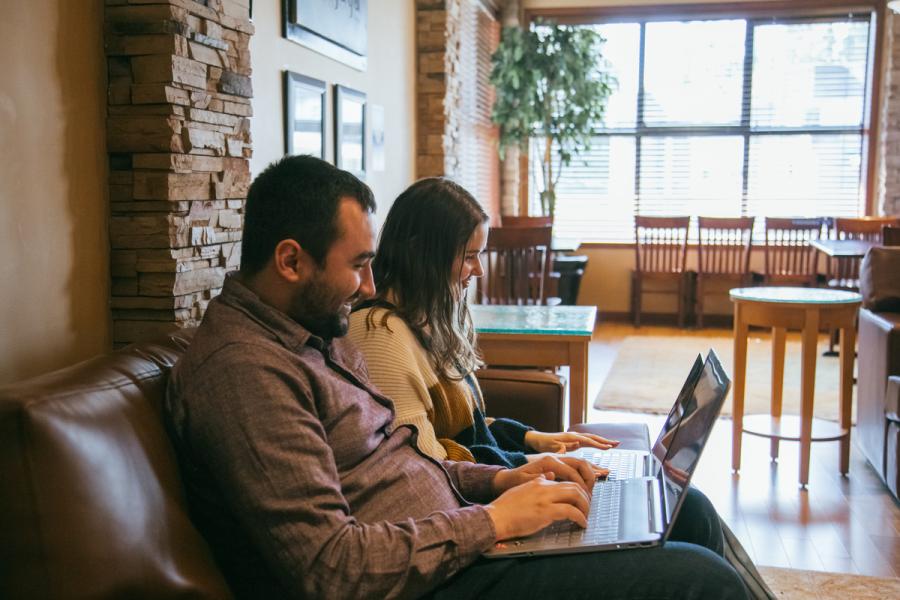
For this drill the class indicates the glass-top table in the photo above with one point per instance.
(843, 248)
(544, 320)
(794, 295)
(539, 336)
(810, 310)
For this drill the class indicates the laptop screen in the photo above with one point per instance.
(687, 439)
(661, 446)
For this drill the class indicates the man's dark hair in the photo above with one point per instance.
(296, 198)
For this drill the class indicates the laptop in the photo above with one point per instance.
(628, 464)
(640, 512)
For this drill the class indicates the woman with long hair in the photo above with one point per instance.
(417, 333)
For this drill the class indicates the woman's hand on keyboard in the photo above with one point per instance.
(566, 441)
(529, 507)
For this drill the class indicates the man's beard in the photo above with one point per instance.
(322, 313)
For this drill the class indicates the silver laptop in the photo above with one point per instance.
(640, 512)
(629, 464)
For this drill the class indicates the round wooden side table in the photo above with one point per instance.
(809, 310)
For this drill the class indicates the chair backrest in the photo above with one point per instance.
(661, 244)
(890, 235)
(526, 221)
(789, 257)
(863, 228)
(516, 264)
(725, 245)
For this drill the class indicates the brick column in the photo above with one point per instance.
(178, 135)
(433, 21)
(888, 201)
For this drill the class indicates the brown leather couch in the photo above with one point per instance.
(91, 504)
(878, 428)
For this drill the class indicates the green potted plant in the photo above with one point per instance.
(550, 88)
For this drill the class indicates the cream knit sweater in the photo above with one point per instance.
(399, 367)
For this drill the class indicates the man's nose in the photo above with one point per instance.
(367, 284)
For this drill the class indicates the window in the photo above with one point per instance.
(722, 117)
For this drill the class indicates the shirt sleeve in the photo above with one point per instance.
(269, 450)
(474, 481)
(510, 434)
(393, 369)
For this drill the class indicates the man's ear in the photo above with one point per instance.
(292, 262)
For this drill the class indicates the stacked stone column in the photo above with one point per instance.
(178, 136)
(432, 24)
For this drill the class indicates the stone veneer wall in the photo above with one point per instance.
(178, 135)
(888, 198)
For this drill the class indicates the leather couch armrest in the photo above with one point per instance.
(535, 398)
(892, 399)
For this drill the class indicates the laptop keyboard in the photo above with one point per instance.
(603, 521)
(621, 465)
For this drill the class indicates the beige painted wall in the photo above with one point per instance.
(389, 80)
(54, 307)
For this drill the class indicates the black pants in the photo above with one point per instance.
(689, 565)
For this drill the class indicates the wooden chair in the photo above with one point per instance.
(554, 277)
(516, 266)
(843, 273)
(723, 253)
(526, 221)
(660, 253)
(789, 257)
(890, 235)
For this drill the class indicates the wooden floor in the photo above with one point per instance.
(841, 524)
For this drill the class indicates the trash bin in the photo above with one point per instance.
(570, 269)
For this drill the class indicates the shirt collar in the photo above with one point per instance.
(287, 330)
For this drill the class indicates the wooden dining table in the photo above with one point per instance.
(540, 336)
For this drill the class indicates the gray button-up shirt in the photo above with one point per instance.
(294, 474)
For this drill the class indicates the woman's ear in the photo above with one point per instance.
(292, 262)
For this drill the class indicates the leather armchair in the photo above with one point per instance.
(878, 430)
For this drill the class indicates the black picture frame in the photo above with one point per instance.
(350, 130)
(304, 114)
(334, 28)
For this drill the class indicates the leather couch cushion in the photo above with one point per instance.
(879, 279)
(92, 505)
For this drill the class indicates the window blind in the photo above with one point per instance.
(479, 166)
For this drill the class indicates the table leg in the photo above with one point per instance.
(740, 370)
(578, 360)
(847, 352)
(778, 343)
(809, 352)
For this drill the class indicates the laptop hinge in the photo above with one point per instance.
(655, 510)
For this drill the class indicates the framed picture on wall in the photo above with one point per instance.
(335, 28)
(350, 130)
(304, 115)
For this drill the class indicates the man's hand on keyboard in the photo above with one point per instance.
(599, 472)
(549, 466)
(529, 507)
(566, 441)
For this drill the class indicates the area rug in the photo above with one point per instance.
(794, 584)
(649, 370)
